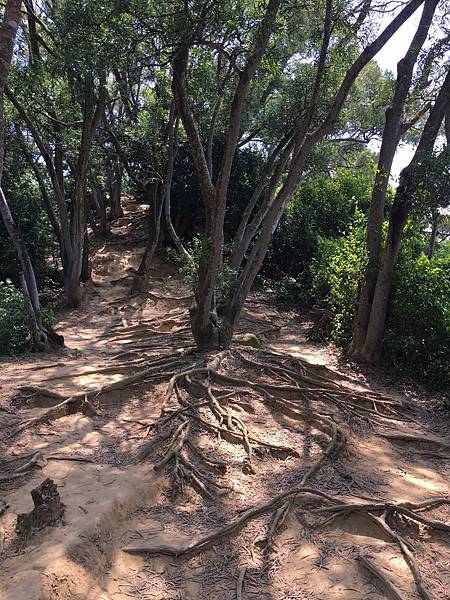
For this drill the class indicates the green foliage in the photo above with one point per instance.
(417, 337)
(334, 277)
(13, 320)
(323, 207)
(25, 203)
(186, 204)
(192, 267)
(14, 329)
(418, 329)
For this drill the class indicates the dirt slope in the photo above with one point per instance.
(255, 424)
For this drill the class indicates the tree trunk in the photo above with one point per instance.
(204, 321)
(209, 329)
(172, 144)
(99, 201)
(42, 340)
(90, 214)
(141, 276)
(32, 32)
(410, 180)
(8, 30)
(391, 137)
(371, 350)
(72, 289)
(91, 118)
(86, 265)
(116, 193)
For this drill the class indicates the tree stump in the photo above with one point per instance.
(48, 509)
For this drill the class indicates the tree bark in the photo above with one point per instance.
(142, 275)
(91, 118)
(32, 32)
(172, 145)
(391, 137)
(8, 30)
(410, 180)
(206, 330)
(43, 340)
(86, 264)
(304, 143)
(98, 201)
(116, 211)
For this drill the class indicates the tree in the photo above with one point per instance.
(42, 338)
(64, 78)
(214, 315)
(411, 179)
(395, 126)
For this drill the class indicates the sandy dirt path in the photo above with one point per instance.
(102, 455)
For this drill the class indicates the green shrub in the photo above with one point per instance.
(322, 207)
(334, 277)
(192, 266)
(13, 320)
(417, 332)
(417, 336)
(14, 328)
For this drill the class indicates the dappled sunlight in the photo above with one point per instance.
(116, 500)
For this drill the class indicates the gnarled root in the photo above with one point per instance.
(300, 391)
(158, 369)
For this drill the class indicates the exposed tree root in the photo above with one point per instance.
(303, 389)
(78, 403)
(240, 582)
(287, 498)
(309, 385)
(385, 581)
(417, 439)
(159, 369)
(202, 542)
(205, 394)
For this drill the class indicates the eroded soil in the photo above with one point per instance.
(102, 456)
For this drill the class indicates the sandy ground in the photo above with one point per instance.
(113, 500)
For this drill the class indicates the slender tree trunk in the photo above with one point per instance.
(79, 258)
(100, 199)
(141, 276)
(303, 143)
(391, 138)
(173, 145)
(43, 339)
(116, 211)
(90, 213)
(8, 30)
(371, 350)
(410, 180)
(86, 265)
(42, 186)
(208, 329)
(33, 37)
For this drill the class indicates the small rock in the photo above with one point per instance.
(248, 339)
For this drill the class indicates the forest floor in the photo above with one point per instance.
(277, 473)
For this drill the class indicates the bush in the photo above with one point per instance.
(417, 333)
(417, 336)
(322, 208)
(192, 266)
(334, 277)
(14, 328)
(13, 320)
